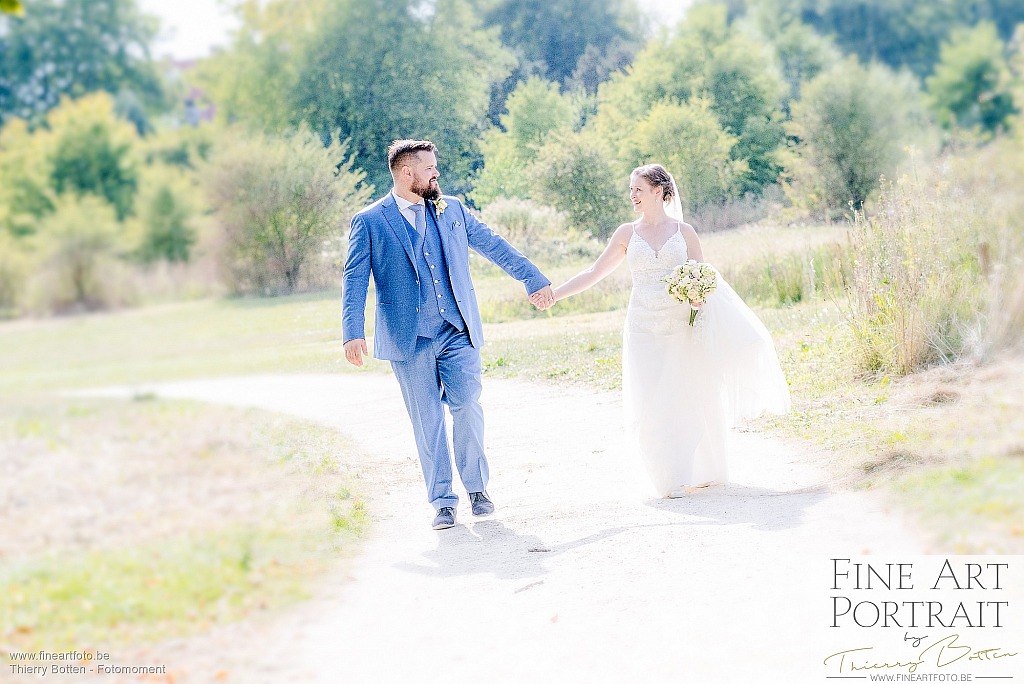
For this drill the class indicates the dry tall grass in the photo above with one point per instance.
(937, 263)
(996, 174)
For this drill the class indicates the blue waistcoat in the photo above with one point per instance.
(437, 299)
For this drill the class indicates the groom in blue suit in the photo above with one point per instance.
(415, 243)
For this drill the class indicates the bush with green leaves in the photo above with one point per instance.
(575, 173)
(535, 109)
(280, 200)
(972, 85)
(166, 208)
(93, 152)
(688, 141)
(76, 253)
(25, 191)
(540, 231)
(83, 149)
(524, 222)
(851, 125)
(707, 63)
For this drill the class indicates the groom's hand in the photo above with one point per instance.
(355, 350)
(543, 298)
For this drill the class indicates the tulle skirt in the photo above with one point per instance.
(684, 387)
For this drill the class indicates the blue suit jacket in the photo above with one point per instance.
(379, 245)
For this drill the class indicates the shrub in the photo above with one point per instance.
(535, 109)
(541, 232)
(574, 173)
(25, 192)
(688, 140)
(93, 152)
(733, 213)
(971, 86)
(77, 249)
(166, 212)
(851, 125)
(994, 175)
(14, 268)
(279, 201)
(523, 221)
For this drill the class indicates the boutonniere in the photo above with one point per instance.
(439, 206)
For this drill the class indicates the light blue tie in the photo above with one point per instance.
(421, 220)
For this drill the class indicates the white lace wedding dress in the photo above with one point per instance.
(684, 387)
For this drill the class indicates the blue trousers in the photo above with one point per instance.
(445, 368)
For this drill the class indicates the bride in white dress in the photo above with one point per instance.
(683, 386)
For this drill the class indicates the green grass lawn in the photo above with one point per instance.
(167, 518)
(303, 332)
(211, 337)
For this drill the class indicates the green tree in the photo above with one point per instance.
(81, 148)
(535, 109)
(899, 33)
(801, 52)
(67, 48)
(575, 173)
(551, 37)
(279, 200)
(688, 140)
(252, 82)
(577, 44)
(93, 152)
(971, 86)
(706, 59)
(851, 126)
(25, 192)
(11, 7)
(371, 71)
(166, 212)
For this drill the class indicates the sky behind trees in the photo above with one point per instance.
(191, 28)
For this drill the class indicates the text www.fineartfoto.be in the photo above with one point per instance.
(927, 677)
(41, 663)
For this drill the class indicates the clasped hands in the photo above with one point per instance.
(544, 298)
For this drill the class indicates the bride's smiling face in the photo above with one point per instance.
(643, 195)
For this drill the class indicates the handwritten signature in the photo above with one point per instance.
(943, 652)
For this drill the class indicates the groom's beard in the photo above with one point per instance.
(428, 191)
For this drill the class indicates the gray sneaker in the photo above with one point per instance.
(482, 504)
(444, 519)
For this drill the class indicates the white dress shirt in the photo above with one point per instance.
(404, 208)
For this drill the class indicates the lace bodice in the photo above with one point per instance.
(651, 308)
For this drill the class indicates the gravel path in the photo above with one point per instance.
(580, 575)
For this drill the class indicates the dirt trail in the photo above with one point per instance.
(581, 575)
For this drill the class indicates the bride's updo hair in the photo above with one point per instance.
(657, 176)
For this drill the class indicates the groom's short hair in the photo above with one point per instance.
(400, 150)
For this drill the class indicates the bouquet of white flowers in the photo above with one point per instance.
(691, 283)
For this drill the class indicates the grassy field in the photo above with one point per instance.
(303, 332)
(127, 521)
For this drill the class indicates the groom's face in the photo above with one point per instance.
(425, 175)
